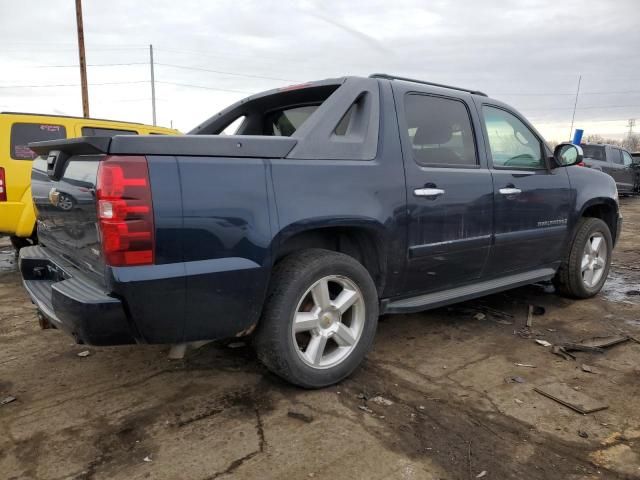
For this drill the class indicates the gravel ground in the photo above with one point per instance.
(455, 403)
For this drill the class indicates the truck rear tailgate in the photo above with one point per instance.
(67, 212)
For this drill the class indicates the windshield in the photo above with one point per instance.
(595, 152)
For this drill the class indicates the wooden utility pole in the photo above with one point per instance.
(153, 85)
(83, 61)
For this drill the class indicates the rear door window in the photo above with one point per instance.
(617, 156)
(594, 152)
(626, 158)
(440, 131)
(24, 133)
(105, 132)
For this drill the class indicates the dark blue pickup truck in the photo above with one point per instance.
(330, 203)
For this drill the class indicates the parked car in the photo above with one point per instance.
(636, 165)
(17, 217)
(614, 161)
(333, 202)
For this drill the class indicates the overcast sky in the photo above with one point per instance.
(528, 53)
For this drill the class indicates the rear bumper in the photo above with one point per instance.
(13, 221)
(73, 305)
(618, 229)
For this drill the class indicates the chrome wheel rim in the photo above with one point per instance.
(65, 202)
(328, 322)
(594, 260)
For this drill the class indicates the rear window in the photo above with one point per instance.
(24, 133)
(595, 152)
(285, 122)
(105, 132)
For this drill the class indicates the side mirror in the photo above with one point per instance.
(567, 154)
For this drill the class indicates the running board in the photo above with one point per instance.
(460, 294)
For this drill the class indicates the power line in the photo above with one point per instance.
(71, 84)
(203, 87)
(564, 94)
(88, 65)
(590, 107)
(200, 69)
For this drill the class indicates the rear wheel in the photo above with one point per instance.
(586, 268)
(20, 242)
(319, 320)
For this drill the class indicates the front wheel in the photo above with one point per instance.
(586, 267)
(319, 319)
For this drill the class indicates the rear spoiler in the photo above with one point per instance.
(247, 146)
(73, 146)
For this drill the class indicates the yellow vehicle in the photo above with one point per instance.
(17, 214)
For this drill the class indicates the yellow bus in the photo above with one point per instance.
(17, 130)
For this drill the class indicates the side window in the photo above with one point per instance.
(511, 142)
(440, 131)
(23, 133)
(616, 156)
(105, 132)
(626, 158)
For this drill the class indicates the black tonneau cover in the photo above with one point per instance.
(247, 146)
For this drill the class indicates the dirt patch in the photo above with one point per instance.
(130, 413)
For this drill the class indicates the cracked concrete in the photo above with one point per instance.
(219, 414)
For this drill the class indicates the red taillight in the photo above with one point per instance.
(581, 164)
(3, 186)
(125, 211)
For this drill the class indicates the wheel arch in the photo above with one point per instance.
(606, 209)
(361, 238)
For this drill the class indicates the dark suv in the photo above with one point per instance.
(330, 203)
(615, 161)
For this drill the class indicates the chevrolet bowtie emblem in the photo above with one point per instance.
(54, 196)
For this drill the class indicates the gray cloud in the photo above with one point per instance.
(528, 53)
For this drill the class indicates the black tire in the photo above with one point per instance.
(568, 280)
(291, 278)
(19, 242)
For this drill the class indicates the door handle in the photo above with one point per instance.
(510, 191)
(428, 192)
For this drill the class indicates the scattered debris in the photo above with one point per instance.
(303, 414)
(587, 368)
(237, 345)
(503, 322)
(147, 459)
(518, 401)
(365, 408)
(577, 347)
(569, 397)
(84, 353)
(362, 396)
(583, 434)
(560, 351)
(524, 332)
(515, 379)
(481, 474)
(479, 316)
(605, 342)
(528, 365)
(6, 400)
(421, 407)
(544, 343)
(551, 330)
(381, 401)
(534, 310)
